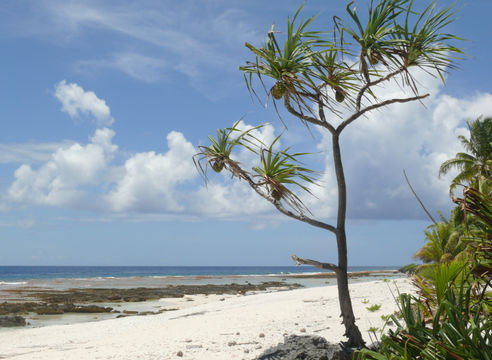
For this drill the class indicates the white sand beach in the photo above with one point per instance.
(207, 328)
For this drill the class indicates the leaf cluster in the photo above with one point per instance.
(307, 63)
(278, 170)
(276, 174)
(218, 154)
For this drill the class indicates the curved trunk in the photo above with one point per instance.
(348, 319)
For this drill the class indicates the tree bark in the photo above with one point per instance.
(352, 332)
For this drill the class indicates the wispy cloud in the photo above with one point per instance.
(29, 152)
(199, 41)
(140, 67)
(22, 224)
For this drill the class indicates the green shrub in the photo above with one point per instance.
(374, 307)
(408, 269)
(460, 329)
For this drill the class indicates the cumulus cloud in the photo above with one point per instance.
(377, 147)
(76, 102)
(228, 200)
(61, 180)
(149, 181)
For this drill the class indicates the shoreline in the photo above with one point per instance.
(40, 305)
(208, 327)
(306, 275)
(81, 302)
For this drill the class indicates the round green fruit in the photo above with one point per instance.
(374, 57)
(217, 166)
(373, 60)
(339, 96)
(278, 90)
(276, 195)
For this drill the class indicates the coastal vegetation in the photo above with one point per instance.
(451, 316)
(329, 80)
(447, 241)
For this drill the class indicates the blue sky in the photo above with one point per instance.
(103, 103)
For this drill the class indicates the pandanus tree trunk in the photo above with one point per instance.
(352, 332)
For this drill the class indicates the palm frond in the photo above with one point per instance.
(478, 159)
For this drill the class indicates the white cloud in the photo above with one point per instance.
(149, 180)
(376, 148)
(75, 101)
(61, 180)
(232, 199)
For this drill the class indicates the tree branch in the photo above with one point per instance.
(306, 118)
(372, 83)
(301, 217)
(376, 106)
(417, 197)
(322, 116)
(320, 265)
(239, 172)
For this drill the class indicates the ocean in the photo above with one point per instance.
(70, 277)
(17, 282)
(21, 273)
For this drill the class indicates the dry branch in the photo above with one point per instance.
(318, 264)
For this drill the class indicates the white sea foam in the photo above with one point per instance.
(96, 278)
(13, 282)
(279, 274)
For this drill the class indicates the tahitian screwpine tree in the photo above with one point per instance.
(319, 77)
